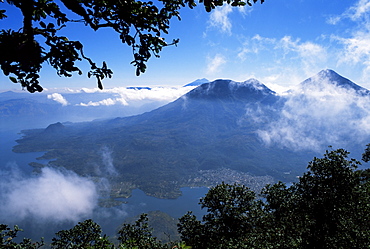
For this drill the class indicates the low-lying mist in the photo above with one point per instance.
(53, 199)
(54, 195)
(317, 116)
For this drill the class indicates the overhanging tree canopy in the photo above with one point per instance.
(140, 24)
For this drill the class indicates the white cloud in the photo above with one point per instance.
(320, 115)
(53, 196)
(214, 63)
(359, 10)
(311, 55)
(219, 18)
(108, 166)
(104, 102)
(356, 50)
(155, 93)
(308, 52)
(126, 96)
(353, 44)
(270, 80)
(245, 10)
(58, 98)
(333, 20)
(255, 45)
(356, 12)
(62, 90)
(288, 58)
(286, 48)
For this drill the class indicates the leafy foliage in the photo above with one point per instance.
(327, 208)
(366, 154)
(138, 235)
(140, 24)
(7, 236)
(85, 234)
(232, 217)
(163, 226)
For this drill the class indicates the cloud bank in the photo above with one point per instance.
(130, 96)
(316, 116)
(53, 195)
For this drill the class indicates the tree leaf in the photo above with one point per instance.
(42, 24)
(14, 80)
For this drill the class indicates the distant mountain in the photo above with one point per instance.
(11, 95)
(198, 82)
(22, 110)
(330, 77)
(24, 107)
(243, 127)
(16, 114)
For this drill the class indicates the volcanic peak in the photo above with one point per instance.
(228, 89)
(329, 77)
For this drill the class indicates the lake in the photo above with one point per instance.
(109, 218)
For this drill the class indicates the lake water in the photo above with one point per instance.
(109, 218)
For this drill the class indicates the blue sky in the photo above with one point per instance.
(279, 42)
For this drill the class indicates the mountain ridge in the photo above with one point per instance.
(214, 126)
(230, 89)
